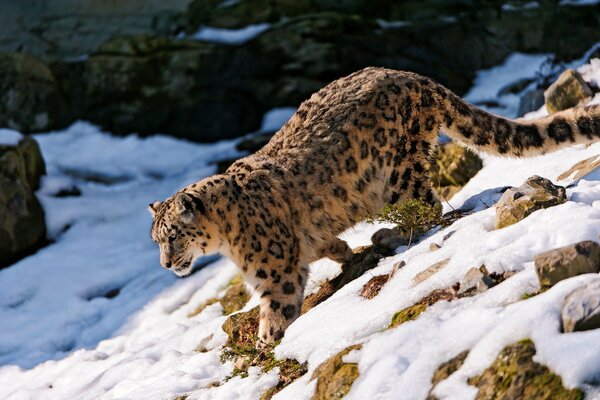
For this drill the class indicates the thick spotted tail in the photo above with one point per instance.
(488, 133)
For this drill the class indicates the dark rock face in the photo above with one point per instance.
(535, 194)
(581, 309)
(31, 99)
(146, 81)
(565, 262)
(22, 224)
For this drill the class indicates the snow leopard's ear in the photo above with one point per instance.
(188, 205)
(153, 207)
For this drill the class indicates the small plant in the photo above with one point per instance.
(413, 216)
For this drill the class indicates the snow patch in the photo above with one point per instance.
(230, 36)
(9, 137)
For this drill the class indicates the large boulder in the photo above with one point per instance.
(31, 99)
(22, 225)
(535, 194)
(576, 259)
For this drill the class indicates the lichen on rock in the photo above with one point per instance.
(334, 376)
(514, 375)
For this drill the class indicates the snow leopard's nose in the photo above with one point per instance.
(168, 264)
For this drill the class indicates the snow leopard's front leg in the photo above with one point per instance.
(282, 293)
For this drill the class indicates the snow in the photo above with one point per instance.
(230, 36)
(9, 137)
(275, 118)
(489, 83)
(383, 24)
(67, 332)
(527, 6)
(579, 2)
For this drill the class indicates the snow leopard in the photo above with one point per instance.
(361, 142)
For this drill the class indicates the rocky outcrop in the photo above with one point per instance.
(70, 29)
(535, 194)
(514, 375)
(568, 91)
(581, 309)
(454, 167)
(576, 259)
(22, 224)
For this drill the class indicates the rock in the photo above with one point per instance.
(475, 281)
(530, 101)
(235, 298)
(581, 309)
(434, 247)
(445, 370)
(22, 224)
(31, 99)
(565, 262)
(334, 376)
(389, 239)
(568, 91)
(454, 167)
(581, 169)
(535, 194)
(242, 329)
(514, 375)
(430, 271)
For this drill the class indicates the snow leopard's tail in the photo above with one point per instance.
(488, 133)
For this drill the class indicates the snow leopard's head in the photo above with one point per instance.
(182, 231)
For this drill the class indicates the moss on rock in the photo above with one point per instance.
(514, 375)
(334, 376)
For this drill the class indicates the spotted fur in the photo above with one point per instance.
(361, 141)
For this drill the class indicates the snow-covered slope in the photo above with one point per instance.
(94, 316)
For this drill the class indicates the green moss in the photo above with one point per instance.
(514, 374)
(407, 314)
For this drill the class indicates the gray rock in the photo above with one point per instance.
(475, 281)
(389, 239)
(555, 265)
(535, 194)
(568, 91)
(22, 225)
(532, 100)
(581, 308)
